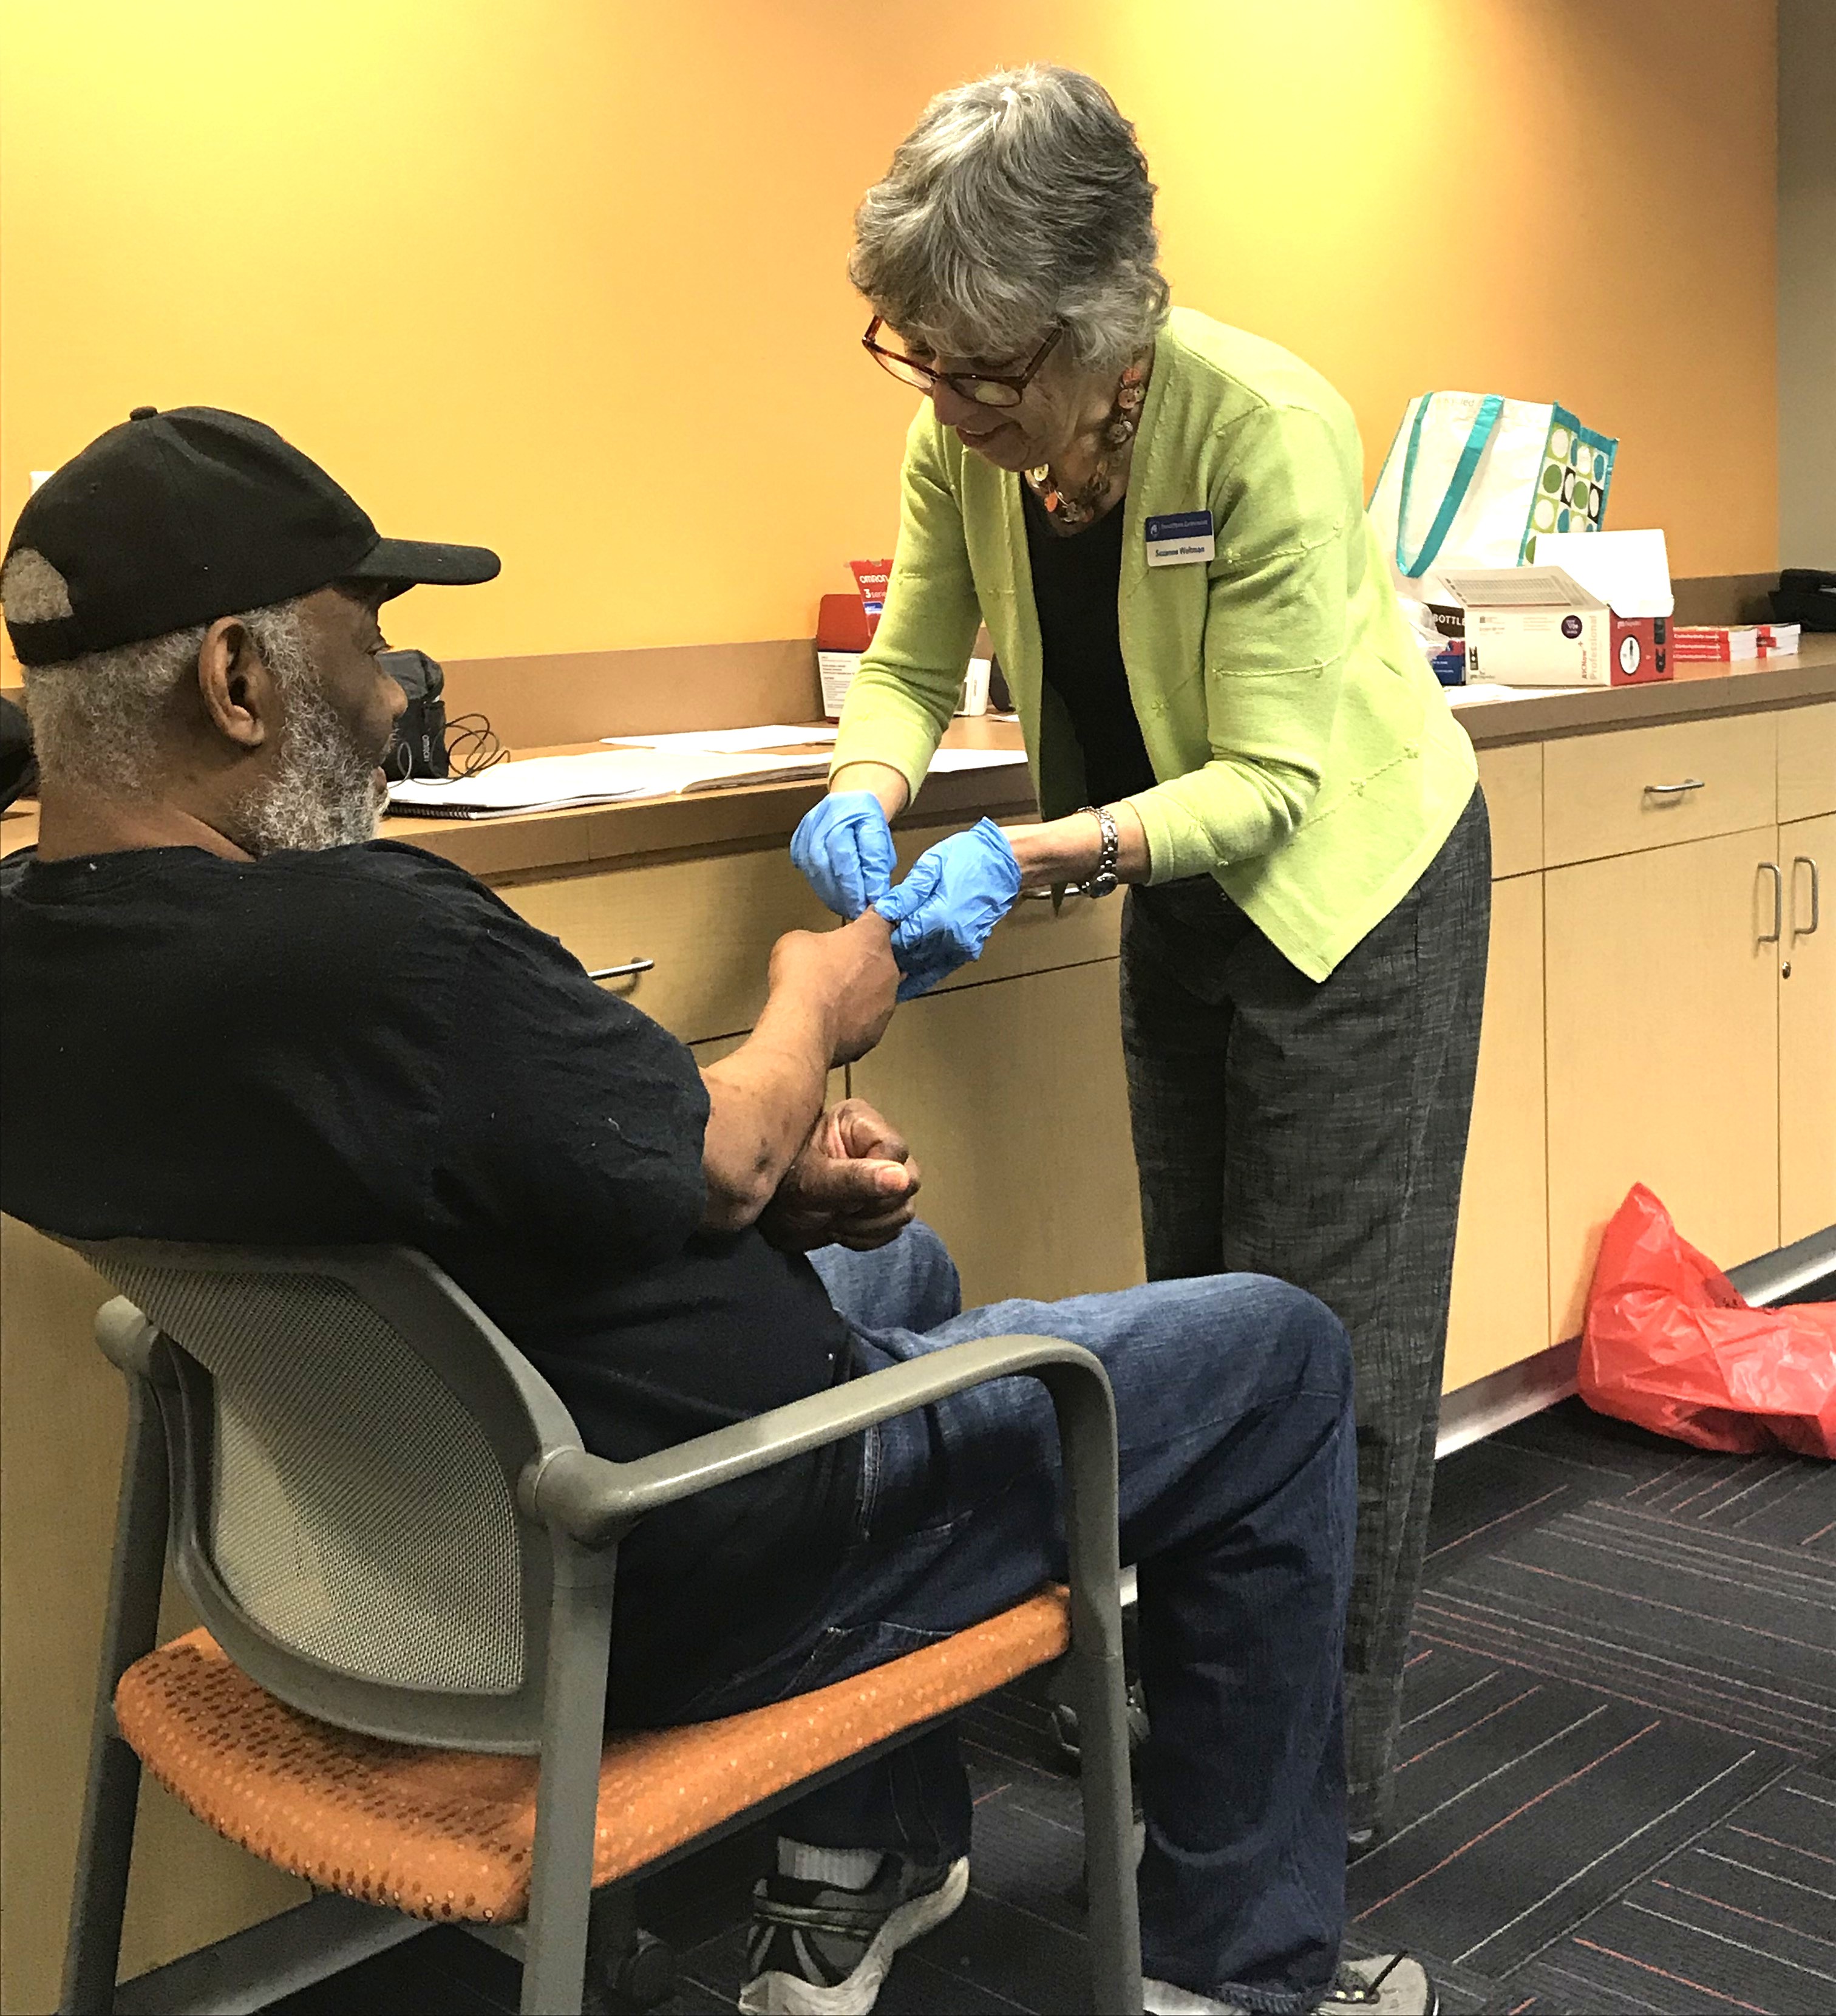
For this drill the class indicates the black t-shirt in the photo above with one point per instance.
(366, 1046)
(1077, 579)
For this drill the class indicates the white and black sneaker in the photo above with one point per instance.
(1390, 1985)
(816, 1950)
(1387, 1985)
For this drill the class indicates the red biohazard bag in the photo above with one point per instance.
(1672, 1345)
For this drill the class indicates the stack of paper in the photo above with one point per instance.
(657, 766)
(548, 783)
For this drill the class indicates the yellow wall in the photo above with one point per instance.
(567, 276)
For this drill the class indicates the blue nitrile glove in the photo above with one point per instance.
(942, 913)
(844, 848)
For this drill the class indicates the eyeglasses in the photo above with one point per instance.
(986, 389)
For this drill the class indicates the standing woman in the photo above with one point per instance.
(1160, 520)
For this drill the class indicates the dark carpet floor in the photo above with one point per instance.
(1619, 1791)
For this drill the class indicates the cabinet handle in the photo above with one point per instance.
(1044, 895)
(1772, 869)
(622, 972)
(1816, 895)
(1674, 790)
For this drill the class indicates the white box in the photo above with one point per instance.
(1591, 610)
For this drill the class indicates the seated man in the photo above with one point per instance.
(230, 1013)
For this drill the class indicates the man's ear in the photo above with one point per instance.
(236, 687)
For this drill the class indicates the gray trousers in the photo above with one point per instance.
(1317, 1132)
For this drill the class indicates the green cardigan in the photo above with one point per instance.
(1305, 753)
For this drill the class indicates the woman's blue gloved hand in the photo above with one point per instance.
(844, 848)
(942, 913)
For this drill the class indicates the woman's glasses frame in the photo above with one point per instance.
(981, 387)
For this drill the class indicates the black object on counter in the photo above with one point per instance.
(419, 748)
(1806, 596)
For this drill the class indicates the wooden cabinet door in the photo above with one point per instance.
(1012, 1096)
(1500, 1310)
(1807, 1029)
(1663, 1029)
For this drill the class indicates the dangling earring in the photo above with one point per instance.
(1118, 431)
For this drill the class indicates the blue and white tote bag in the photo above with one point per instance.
(1472, 478)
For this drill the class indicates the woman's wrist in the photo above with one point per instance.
(1069, 849)
(886, 783)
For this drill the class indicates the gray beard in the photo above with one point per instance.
(323, 792)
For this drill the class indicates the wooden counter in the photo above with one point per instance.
(1810, 675)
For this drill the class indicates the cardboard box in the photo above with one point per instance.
(1589, 609)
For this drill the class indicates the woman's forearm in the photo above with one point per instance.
(1068, 850)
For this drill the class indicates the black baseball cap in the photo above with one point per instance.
(174, 519)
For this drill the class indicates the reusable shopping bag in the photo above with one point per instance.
(1672, 1345)
(1472, 478)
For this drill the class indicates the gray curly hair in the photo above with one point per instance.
(100, 721)
(1018, 202)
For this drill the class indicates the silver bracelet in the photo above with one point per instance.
(1104, 882)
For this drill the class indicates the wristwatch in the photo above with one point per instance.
(1104, 882)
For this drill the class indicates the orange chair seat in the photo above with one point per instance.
(447, 1833)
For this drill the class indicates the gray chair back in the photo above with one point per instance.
(346, 1432)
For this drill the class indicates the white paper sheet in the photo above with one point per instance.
(946, 760)
(728, 741)
(1484, 690)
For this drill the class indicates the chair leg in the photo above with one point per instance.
(1087, 1432)
(130, 1626)
(1109, 1838)
(627, 1970)
(567, 1805)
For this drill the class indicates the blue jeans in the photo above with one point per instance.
(1237, 1474)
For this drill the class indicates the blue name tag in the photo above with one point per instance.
(1180, 539)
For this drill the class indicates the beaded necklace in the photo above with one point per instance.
(1080, 506)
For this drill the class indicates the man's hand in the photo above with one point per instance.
(942, 913)
(854, 1184)
(848, 975)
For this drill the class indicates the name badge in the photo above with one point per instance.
(1182, 538)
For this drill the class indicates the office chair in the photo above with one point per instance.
(404, 1562)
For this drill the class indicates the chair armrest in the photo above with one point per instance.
(594, 1500)
(130, 1343)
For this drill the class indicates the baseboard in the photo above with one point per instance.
(281, 1955)
(1471, 1412)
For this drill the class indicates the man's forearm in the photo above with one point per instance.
(831, 994)
(762, 1102)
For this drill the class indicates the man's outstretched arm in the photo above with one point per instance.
(830, 998)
